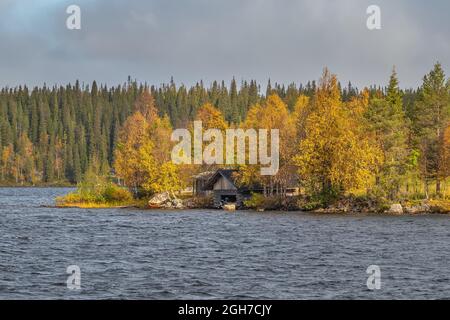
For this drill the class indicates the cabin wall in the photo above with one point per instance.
(198, 187)
(223, 184)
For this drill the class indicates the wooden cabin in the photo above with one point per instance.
(222, 185)
(224, 189)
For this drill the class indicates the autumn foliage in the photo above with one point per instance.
(335, 154)
(332, 142)
(142, 156)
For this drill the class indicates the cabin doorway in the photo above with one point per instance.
(228, 198)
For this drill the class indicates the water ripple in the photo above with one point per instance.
(131, 254)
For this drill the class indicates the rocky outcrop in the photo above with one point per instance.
(395, 208)
(176, 204)
(418, 209)
(163, 200)
(158, 200)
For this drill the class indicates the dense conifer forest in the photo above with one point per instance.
(54, 134)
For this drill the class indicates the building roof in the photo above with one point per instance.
(230, 175)
(225, 173)
(204, 175)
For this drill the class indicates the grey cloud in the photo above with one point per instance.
(290, 40)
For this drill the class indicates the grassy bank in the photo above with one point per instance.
(99, 193)
(62, 203)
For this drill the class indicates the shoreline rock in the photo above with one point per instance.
(229, 207)
(158, 199)
(164, 201)
(418, 209)
(395, 208)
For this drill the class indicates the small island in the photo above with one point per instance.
(330, 148)
(338, 153)
(218, 190)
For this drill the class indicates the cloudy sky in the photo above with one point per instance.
(285, 40)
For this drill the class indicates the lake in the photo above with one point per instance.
(209, 254)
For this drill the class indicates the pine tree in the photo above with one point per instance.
(234, 112)
(389, 123)
(431, 117)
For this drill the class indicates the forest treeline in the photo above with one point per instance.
(54, 134)
(336, 138)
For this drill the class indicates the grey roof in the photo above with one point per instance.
(204, 175)
(226, 173)
(229, 174)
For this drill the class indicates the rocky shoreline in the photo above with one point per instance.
(394, 209)
(347, 205)
(406, 207)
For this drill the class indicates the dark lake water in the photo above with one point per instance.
(207, 254)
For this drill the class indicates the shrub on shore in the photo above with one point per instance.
(318, 203)
(440, 206)
(259, 202)
(101, 192)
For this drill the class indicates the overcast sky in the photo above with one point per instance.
(192, 40)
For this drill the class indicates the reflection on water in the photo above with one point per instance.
(206, 254)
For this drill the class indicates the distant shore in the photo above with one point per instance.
(61, 185)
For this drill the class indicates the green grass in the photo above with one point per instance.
(99, 195)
